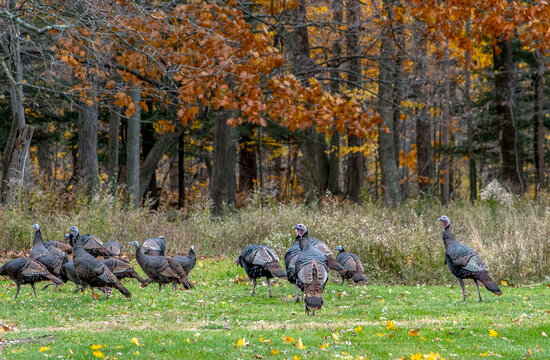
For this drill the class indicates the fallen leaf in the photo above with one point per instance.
(98, 354)
(44, 348)
(413, 332)
(96, 347)
(493, 333)
(389, 325)
(358, 329)
(264, 340)
(544, 334)
(287, 339)
(324, 346)
(503, 283)
(299, 344)
(135, 341)
(274, 352)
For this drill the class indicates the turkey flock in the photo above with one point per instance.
(307, 265)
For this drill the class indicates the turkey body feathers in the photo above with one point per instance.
(353, 266)
(259, 261)
(465, 263)
(311, 275)
(27, 271)
(92, 271)
(188, 261)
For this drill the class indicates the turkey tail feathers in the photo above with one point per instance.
(54, 279)
(489, 283)
(122, 289)
(276, 270)
(359, 278)
(313, 296)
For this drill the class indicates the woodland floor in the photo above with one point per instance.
(220, 320)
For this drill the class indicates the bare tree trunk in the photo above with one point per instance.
(469, 124)
(133, 151)
(13, 67)
(386, 146)
(538, 124)
(87, 163)
(445, 162)
(247, 160)
(17, 172)
(112, 161)
(355, 162)
(223, 185)
(511, 171)
(424, 161)
(181, 171)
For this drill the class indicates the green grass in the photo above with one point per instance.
(209, 321)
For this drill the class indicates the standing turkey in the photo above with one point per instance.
(27, 271)
(353, 265)
(122, 269)
(311, 275)
(161, 269)
(188, 261)
(154, 246)
(92, 271)
(51, 260)
(258, 261)
(292, 254)
(465, 263)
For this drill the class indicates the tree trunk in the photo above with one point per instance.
(113, 145)
(17, 172)
(355, 164)
(181, 171)
(333, 184)
(87, 163)
(424, 161)
(223, 186)
(44, 155)
(469, 125)
(538, 124)
(445, 169)
(133, 151)
(386, 146)
(248, 169)
(13, 67)
(511, 171)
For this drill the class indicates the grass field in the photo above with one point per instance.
(220, 320)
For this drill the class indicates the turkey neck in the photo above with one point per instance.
(78, 248)
(448, 237)
(38, 238)
(304, 243)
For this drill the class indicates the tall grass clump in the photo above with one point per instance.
(399, 246)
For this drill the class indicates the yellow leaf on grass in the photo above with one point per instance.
(493, 333)
(44, 348)
(416, 356)
(287, 339)
(297, 357)
(324, 346)
(264, 340)
(136, 353)
(484, 354)
(96, 347)
(299, 344)
(241, 342)
(358, 329)
(274, 352)
(135, 341)
(503, 283)
(380, 334)
(413, 332)
(98, 354)
(389, 325)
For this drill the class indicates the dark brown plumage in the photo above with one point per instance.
(353, 266)
(465, 263)
(259, 261)
(27, 271)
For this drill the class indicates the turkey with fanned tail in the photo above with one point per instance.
(311, 275)
(465, 263)
(259, 261)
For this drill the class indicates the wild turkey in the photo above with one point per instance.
(154, 246)
(113, 247)
(311, 275)
(91, 244)
(27, 271)
(68, 273)
(353, 265)
(122, 269)
(292, 254)
(258, 261)
(161, 269)
(52, 261)
(465, 263)
(92, 271)
(187, 262)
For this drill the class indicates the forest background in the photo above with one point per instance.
(342, 110)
